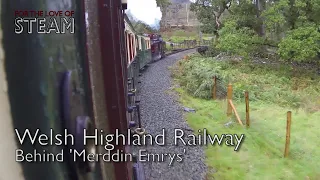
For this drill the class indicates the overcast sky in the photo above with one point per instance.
(145, 10)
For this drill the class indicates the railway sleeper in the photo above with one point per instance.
(131, 110)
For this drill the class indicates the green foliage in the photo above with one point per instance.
(163, 3)
(212, 51)
(179, 36)
(245, 16)
(241, 41)
(141, 27)
(261, 152)
(273, 90)
(177, 39)
(265, 83)
(246, 27)
(207, 12)
(238, 23)
(301, 44)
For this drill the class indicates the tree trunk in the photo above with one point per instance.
(259, 10)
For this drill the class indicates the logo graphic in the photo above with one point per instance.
(44, 22)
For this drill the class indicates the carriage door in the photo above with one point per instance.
(50, 90)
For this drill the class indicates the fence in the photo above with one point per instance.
(231, 108)
(186, 44)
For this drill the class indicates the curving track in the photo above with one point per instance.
(160, 109)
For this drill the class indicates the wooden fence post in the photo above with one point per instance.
(286, 149)
(214, 89)
(235, 112)
(246, 95)
(229, 97)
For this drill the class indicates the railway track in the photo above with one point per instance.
(178, 50)
(160, 110)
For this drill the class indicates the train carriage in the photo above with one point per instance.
(157, 47)
(138, 51)
(144, 51)
(83, 80)
(138, 47)
(74, 81)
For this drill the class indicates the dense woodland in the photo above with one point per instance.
(287, 29)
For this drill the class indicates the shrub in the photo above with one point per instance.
(242, 41)
(301, 44)
(265, 83)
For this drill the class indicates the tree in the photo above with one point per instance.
(141, 27)
(209, 12)
(245, 25)
(163, 3)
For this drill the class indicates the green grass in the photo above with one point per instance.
(179, 36)
(278, 84)
(261, 153)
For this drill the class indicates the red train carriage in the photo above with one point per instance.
(157, 46)
(70, 81)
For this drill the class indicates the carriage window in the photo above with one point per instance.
(146, 42)
(135, 45)
(128, 46)
(126, 40)
(130, 55)
(131, 47)
(140, 45)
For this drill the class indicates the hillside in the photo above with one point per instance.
(180, 1)
(178, 14)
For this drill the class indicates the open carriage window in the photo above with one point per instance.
(140, 44)
(128, 46)
(131, 47)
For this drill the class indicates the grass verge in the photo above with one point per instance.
(261, 154)
(179, 36)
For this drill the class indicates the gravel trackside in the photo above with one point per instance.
(160, 110)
